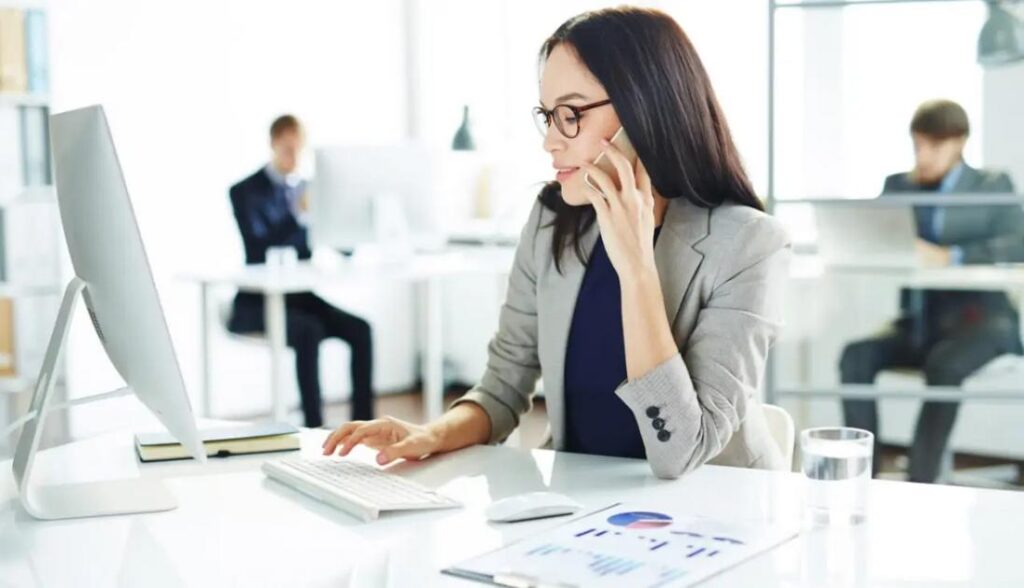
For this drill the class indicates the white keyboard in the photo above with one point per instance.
(357, 488)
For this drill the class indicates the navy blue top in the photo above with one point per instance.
(596, 420)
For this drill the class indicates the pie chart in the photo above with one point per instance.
(640, 520)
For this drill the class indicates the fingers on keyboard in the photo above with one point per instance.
(339, 434)
(360, 433)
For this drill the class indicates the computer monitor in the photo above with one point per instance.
(366, 194)
(866, 234)
(113, 277)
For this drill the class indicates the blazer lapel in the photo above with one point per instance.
(560, 301)
(557, 304)
(968, 180)
(677, 261)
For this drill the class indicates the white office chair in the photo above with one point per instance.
(224, 308)
(997, 373)
(252, 339)
(780, 424)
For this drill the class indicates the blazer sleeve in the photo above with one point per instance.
(1005, 242)
(513, 363)
(890, 185)
(257, 233)
(703, 393)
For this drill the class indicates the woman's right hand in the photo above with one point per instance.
(393, 438)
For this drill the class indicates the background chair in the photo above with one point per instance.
(780, 424)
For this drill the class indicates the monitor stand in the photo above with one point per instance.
(65, 501)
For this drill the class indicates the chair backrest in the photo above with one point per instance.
(224, 310)
(224, 306)
(780, 424)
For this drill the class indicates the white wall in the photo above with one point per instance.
(1003, 124)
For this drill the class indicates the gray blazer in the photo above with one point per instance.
(722, 273)
(987, 234)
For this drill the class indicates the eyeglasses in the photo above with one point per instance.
(566, 117)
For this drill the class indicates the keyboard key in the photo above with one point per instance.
(359, 488)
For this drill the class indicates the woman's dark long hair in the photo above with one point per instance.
(664, 99)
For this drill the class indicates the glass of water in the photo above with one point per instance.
(837, 466)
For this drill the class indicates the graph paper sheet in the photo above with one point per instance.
(626, 545)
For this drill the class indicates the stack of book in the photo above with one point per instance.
(24, 164)
(23, 59)
(221, 442)
(6, 338)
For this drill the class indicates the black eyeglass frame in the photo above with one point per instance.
(548, 115)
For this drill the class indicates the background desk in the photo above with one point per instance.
(826, 310)
(1008, 277)
(428, 271)
(234, 527)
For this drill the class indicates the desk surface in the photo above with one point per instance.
(997, 277)
(235, 527)
(304, 276)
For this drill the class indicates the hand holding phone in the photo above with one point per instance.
(604, 163)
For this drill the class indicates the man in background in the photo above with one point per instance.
(948, 334)
(270, 207)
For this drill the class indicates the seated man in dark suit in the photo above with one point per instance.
(947, 333)
(269, 206)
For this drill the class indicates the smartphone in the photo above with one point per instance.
(620, 140)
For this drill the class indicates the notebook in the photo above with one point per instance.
(221, 442)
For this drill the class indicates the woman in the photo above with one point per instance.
(649, 306)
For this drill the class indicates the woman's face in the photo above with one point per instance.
(565, 80)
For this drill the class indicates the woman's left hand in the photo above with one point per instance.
(625, 215)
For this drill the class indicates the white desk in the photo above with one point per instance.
(810, 270)
(235, 528)
(426, 270)
(965, 277)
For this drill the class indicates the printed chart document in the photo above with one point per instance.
(626, 545)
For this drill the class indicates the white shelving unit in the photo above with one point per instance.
(30, 255)
(13, 100)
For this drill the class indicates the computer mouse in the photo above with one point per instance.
(534, 505)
